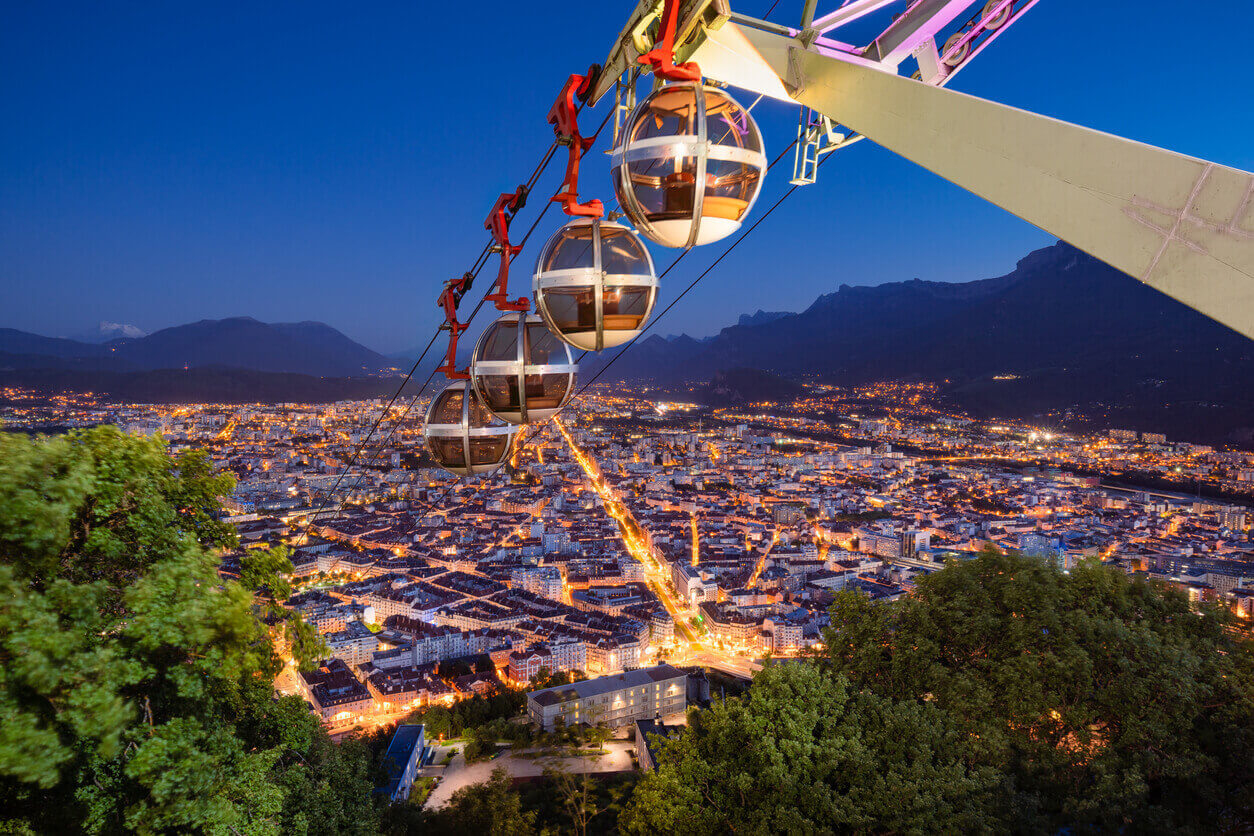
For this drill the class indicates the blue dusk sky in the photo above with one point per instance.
(162, 162)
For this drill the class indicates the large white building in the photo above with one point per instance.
(661, 628)
(782, 635)
(545, 581)
(615, 701)
(615, 653)
(693, 584)
(569, 654)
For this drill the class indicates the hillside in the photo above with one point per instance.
(738, 387)
(1061, 331)
(307, 348)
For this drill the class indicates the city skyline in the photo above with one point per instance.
(643, 538)
(690, 519)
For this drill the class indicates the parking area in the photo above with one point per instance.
(524, 764)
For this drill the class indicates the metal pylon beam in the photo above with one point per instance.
(1182, 225)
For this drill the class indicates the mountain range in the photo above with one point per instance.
(1062, 331)
(107, 331)
(307, 348)
(235, 360)
(1062, 336)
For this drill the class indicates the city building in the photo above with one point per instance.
(563, 655)
(354, 644)
(694, 584)
(648, 734)
(335, 693)
(615, 701)
(402, 760)
(623, 522)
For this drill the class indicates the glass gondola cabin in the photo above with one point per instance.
(689, 165)
(521, 371)
(595, 284)
(462, 436)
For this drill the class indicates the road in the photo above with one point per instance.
(627, 526)
(725, 662)
(757, 570)
(656, 571)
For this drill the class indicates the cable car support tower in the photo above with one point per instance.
(1182, 225)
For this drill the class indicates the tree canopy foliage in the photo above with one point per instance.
(1004, 696)
(136, 684)
(473, 713)
(1109, 703)
(491, 808)
(803, 752)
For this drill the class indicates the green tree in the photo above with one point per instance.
(482, 743)
(1111, 702)
(577, 794)
(803, 752)
(265, 572)
(437, 719)
(491, 809)
(135, 683)
(545, 678)
(404, 818)
(450, 668)
(598, 732)
(96, 508)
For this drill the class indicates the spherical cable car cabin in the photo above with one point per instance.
(521, 371)
(462, 436)
(595, 284)
(689, 166)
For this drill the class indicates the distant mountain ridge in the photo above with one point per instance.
(306, 348)
(19, 343)
(762, 317)
(737, 387)
(1061, 330)
(200, 385)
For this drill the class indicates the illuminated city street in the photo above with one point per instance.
(632, 538)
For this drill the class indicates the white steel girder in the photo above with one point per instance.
(1182, 225)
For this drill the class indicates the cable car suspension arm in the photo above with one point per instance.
(661, 59)
(564, 117)
(497, 222)
(1182, 225)
(450, 298)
